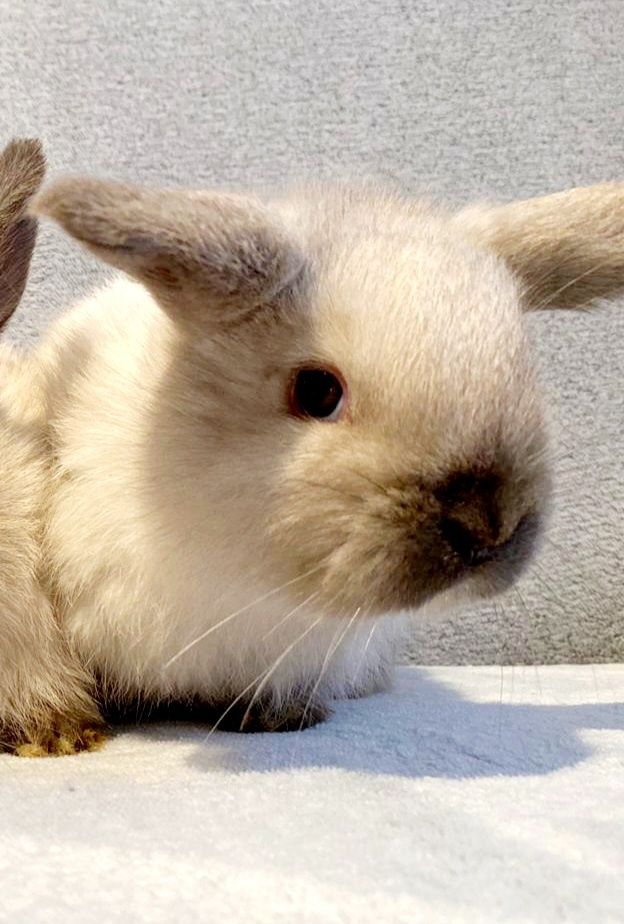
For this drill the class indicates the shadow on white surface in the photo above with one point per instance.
(421, 728)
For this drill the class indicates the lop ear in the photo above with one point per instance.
(568, 248)
(22, 166)
(195, 251)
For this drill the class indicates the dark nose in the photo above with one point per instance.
(472, 548)
(471, 520)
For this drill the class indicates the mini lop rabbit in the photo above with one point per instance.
(299, 414)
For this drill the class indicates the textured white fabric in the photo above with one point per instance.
(464, 795)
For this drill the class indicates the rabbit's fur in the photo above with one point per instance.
(44, 699)
(203, 544)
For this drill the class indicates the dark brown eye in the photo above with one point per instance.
(317, 393)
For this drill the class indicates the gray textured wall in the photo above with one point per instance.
(482, 98)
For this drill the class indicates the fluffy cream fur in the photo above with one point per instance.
(44, 691)
(203, 544)
(44, 700)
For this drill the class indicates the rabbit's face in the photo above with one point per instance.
(351, 408)
(415, 439)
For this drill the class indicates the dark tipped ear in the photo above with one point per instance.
(22, 166)
(568, 248)
(190, 248)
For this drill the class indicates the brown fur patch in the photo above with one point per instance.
(22, 166)
(63, 737)
(217, 249)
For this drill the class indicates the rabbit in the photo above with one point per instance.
(291, 420)
(43, 688)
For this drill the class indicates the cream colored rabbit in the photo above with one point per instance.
(299, 415)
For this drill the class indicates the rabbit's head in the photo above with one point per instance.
(351, 391)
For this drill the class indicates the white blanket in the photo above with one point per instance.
(465, 794)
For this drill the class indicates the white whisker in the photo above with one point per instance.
(250, 686)
(234, 702)
(243, 609)
(274, 667)
(332, 649)
(289, 615)
(365, 649)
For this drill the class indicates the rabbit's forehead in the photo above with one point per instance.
(433, 348)
(427, 319)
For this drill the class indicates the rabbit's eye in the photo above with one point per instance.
(317, 393)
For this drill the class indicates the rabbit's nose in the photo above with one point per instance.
(472, 521)
(475, 523)
(473, 548)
